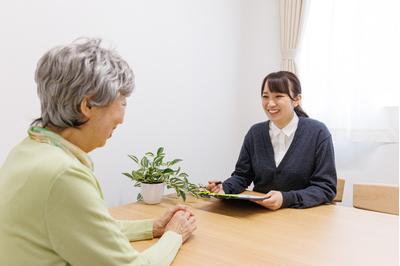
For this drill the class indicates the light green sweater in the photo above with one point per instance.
(52, 212)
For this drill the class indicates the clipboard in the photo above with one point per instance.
(232, 196)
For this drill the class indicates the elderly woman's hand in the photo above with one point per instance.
(160, 224)
(182, 223)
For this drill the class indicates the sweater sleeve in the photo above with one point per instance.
(243, 175)
(322, 188)
(82, 231)
(136, 230)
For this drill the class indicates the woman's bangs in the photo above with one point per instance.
(278, 85)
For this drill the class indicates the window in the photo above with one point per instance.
(348, 65)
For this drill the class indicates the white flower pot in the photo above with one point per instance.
(152, 193)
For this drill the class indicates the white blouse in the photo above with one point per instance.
(282, 138)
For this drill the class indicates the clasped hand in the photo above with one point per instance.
(179, 219)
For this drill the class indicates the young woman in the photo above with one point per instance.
(290, 157)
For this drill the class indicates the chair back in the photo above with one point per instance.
(339, 190)
(376, 197)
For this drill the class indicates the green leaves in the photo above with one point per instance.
(139, 197)
(144, 162)
(128, 175)
(168, 171)
(160, 151)
(151, 169)
(158, 161)
(174, 162)
(134, 158)
(149, 154)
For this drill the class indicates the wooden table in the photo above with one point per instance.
(234, 232)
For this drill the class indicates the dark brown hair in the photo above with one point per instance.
(287, 83)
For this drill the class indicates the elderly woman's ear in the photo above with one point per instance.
(86, 108)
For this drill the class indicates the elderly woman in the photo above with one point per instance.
(52, 210)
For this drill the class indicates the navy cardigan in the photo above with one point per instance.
(306, 175)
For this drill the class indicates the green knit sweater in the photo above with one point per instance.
(52, 212)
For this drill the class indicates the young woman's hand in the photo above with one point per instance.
(215, 187)
(274, 201)
(160, 224)
(182, 223)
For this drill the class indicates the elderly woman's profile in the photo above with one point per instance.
(52, 210)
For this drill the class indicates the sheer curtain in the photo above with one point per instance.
(291, 21)
(348, 66)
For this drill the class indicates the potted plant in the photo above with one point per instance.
(153, 173)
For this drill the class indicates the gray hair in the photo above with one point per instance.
(66, 74)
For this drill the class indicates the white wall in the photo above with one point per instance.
(198, 67)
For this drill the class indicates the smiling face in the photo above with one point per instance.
(102, 122)
(279, 106)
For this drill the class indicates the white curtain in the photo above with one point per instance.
(348, 66)
(291, 21)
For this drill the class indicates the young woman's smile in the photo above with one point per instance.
(279, 107)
